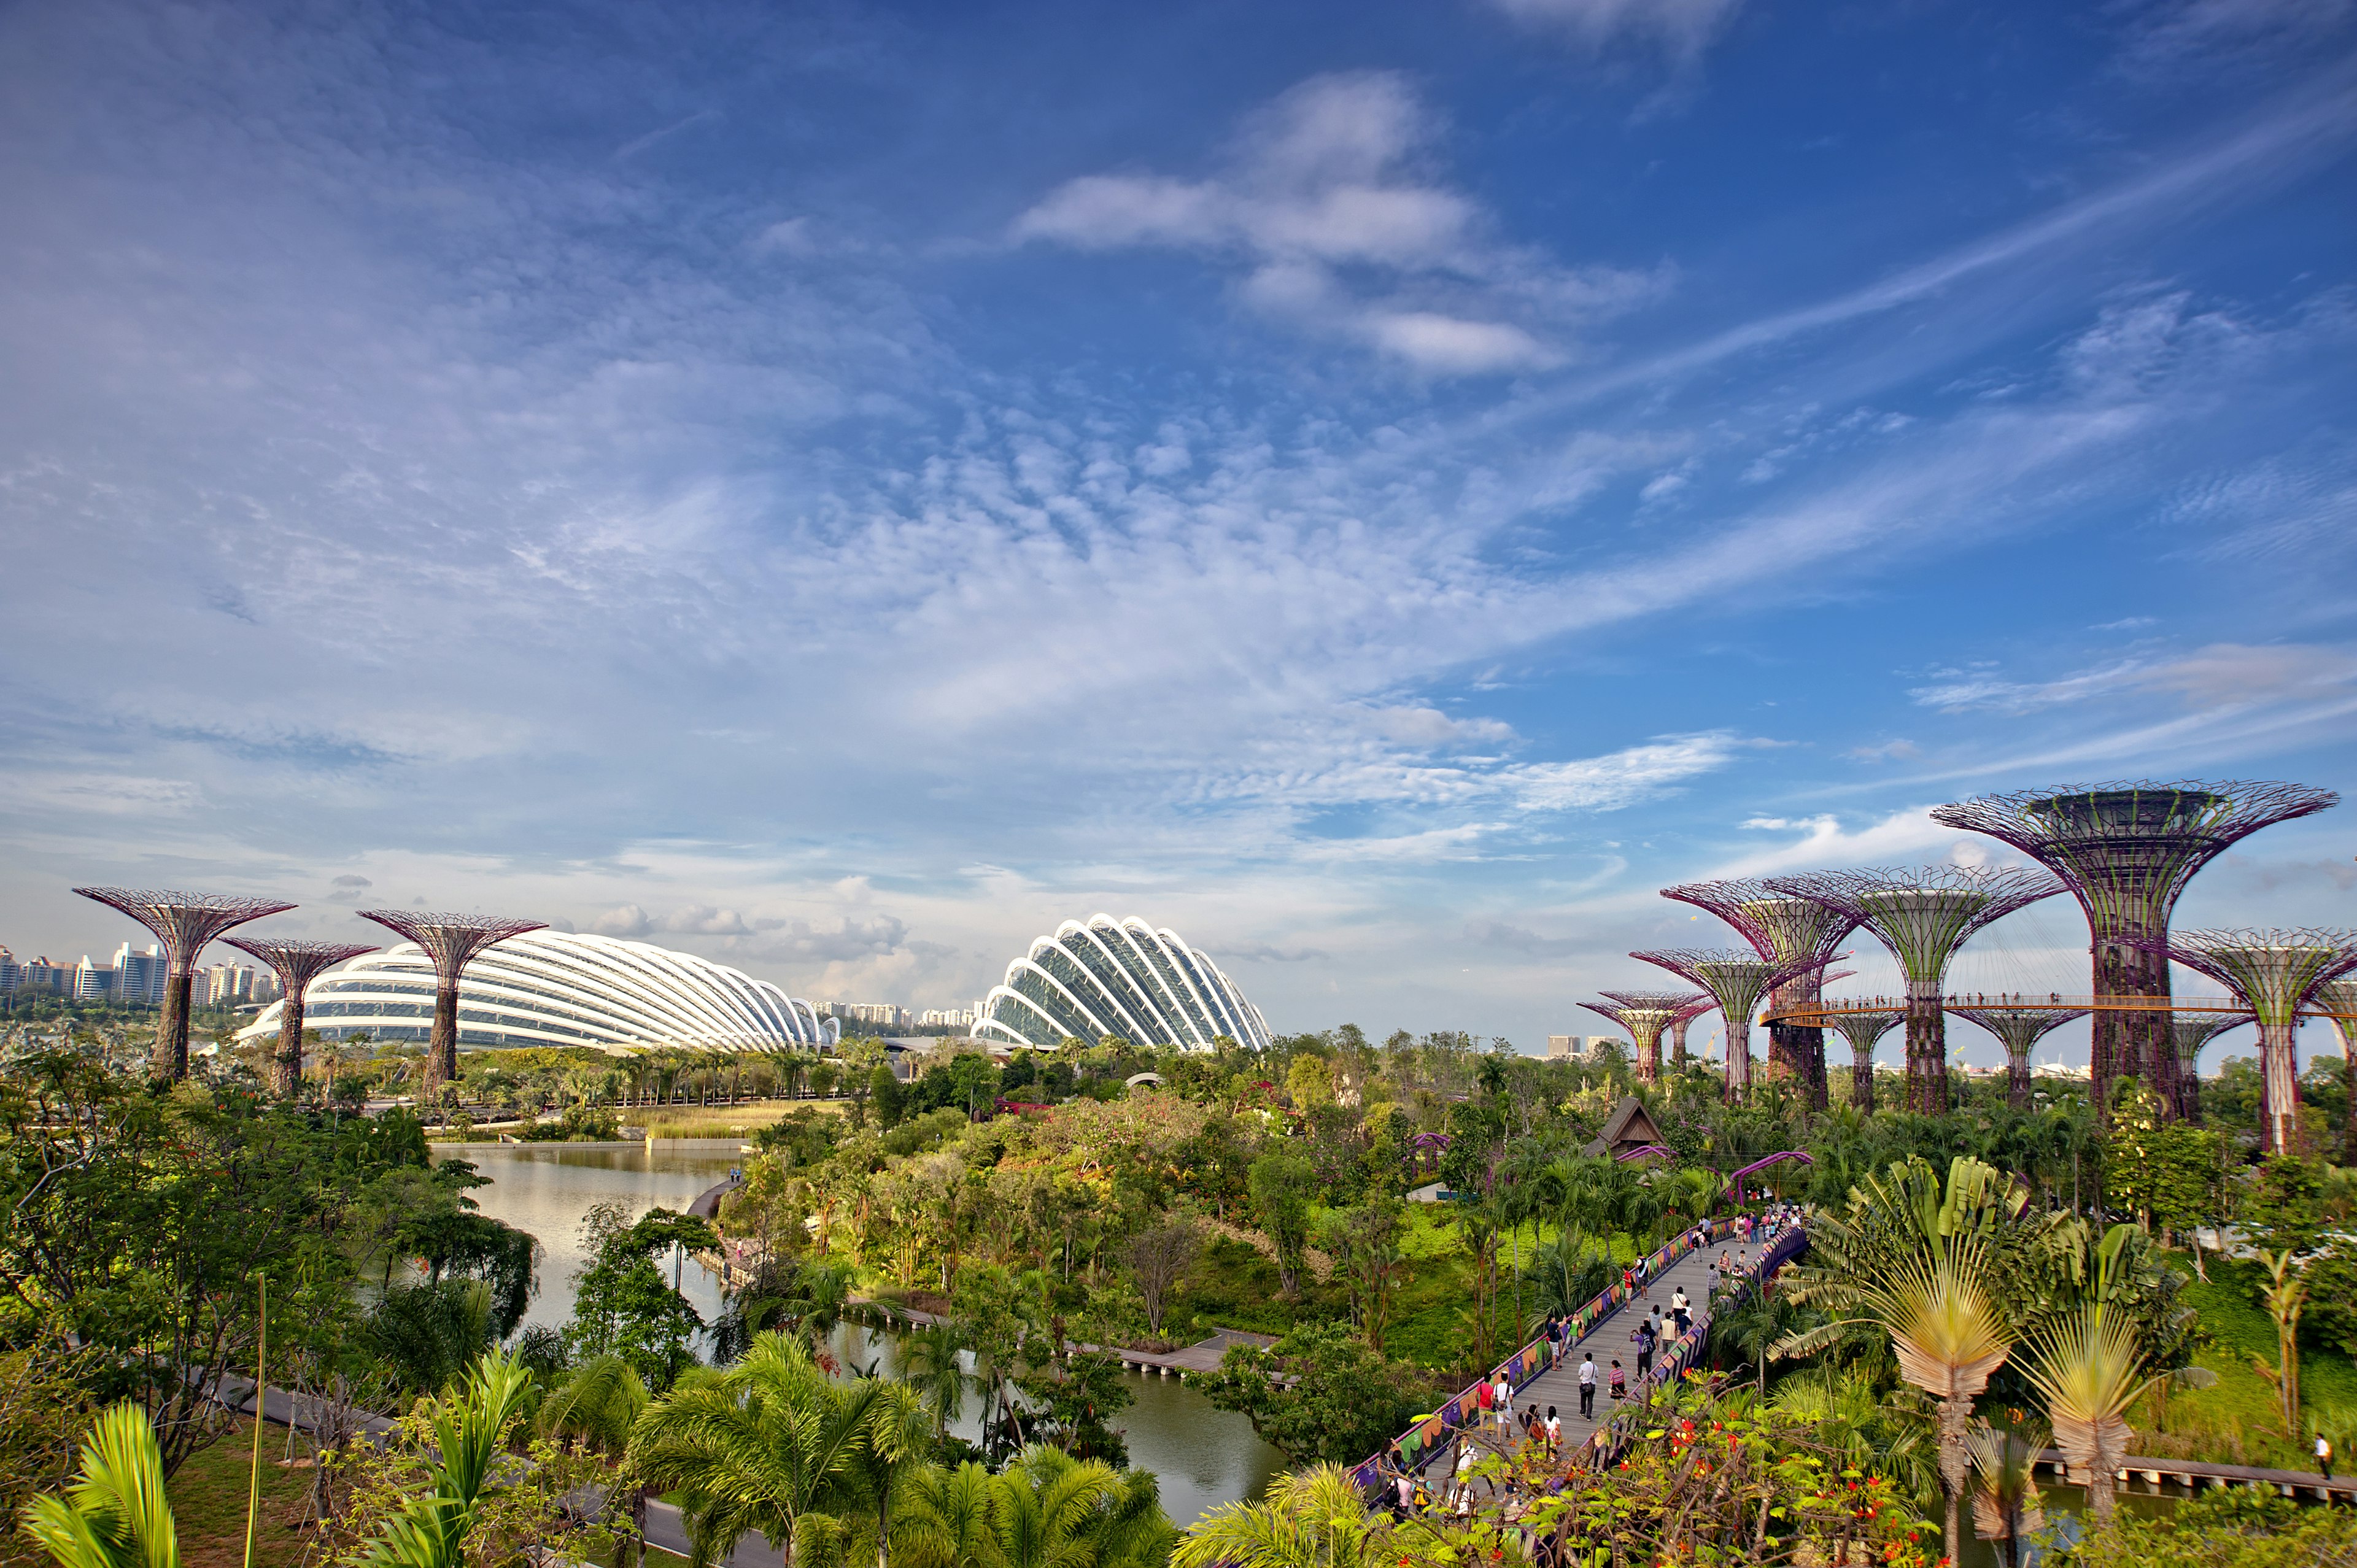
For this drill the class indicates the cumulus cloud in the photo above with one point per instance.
(1329, 204)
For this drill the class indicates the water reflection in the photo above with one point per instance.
(1200, 1455)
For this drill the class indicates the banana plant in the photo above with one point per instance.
(114, 1515)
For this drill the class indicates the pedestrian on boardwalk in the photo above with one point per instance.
(1628, 1281)
(1554, 1432)
(1501, 1400)
(1587, 1388)
(1485, 1400)
(2324, 1454)
(1644, 1339)
(1619, 1383)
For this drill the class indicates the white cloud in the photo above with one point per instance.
(2221, 675)
(1327, 203)
(1681, 28)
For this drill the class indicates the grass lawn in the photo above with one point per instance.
(209, 1503)
(2240, 1422)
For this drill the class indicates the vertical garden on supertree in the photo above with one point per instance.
(1645, 1014)
(451, 941)
(1801, 935)
(2187, 1033)
(2125, 849)
(1737, 980)
(2338, 1000)
(2274, 973)
(2018, 1027)
(1924, 915)
(183, 923)
(1863, 1027)
(297, 964)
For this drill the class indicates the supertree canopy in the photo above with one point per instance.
(2187, 1033)
(183, 923)
(2018, 1027)
(1924, 915)
(2275, 974)
(1736, 980)
(297, 964)
(2125, 849)
(1787, 931)
(450, 940)
(1863, 1027)
(1645, 1014)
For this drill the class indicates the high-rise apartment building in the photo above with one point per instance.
(946, 1017)
(92, 982)
(139, 976)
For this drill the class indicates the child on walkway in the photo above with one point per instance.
(1619, 1383)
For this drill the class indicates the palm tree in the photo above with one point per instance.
(928, 1359)
(2089, 1364)
(943, 1518)
(469, 1438)
(114, 1515)
(1916, 1263)
(772, 1445)
(1312, 1519)
(596, 1408)
(1760, 1325)
(2006, 1503)
(1056, 1511)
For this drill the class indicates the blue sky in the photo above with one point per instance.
(1381, 489)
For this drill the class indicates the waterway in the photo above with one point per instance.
(1202, 1455)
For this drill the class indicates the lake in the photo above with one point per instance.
(1202, 1455)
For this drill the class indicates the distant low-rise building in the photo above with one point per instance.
(1575, 1046)
(946, 1018)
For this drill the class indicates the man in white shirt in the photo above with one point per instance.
(1587, 1388)
(1501, 1400)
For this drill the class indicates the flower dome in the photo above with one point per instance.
(560, 988)
(1104, 976)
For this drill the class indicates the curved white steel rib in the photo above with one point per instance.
(1128, 978)
(562, 988)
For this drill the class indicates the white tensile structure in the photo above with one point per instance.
(561, 988)
(1103, 976)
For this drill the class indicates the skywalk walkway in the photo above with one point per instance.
(1542, 1375)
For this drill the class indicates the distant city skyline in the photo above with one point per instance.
(841, 493)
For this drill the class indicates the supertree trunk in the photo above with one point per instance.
(1678, 1046)
(286, 1066)
(171, 1056)
(2132, 1041)
(1927, 1048)
(1649, 1060)
(442, 1044)
(2280, 1087)
(2016, 1080)
(1861, 1081)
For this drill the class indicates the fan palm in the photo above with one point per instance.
(114, 1515)
(2006, 1502)
(928, 1359)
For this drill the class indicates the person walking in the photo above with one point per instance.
(1587, 1388)
(1645, 1338)
(1554, 1432)
(1501, 1400)
(2324, 1454)
(1619, 1383)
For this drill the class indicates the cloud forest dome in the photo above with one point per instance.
(559, 988)
(1104, 976)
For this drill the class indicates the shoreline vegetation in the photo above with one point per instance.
(1035, 1207)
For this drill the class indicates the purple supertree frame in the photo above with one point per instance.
(1645, 1014)
(451, 941)
(2274, 973)
(297, 964)
(2018, 1027)
(2338, 1002)
(183, 923)
(2189, 1033)
(1787, 931)
(2126, 849)
(1737, 980)
(1692, 1011)
(1924, 915)
(1863, 1027)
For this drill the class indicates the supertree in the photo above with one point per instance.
(2275, 974)
(2188, 1033)
(2018, 1027)
(183, 923)
(451, 941)
(297, 964)
(2338, 1000)
(1924, 915)
(1863, 1027)
(2126, 849)
(1787, 931)
(1645, 1014)
(1737, 980)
